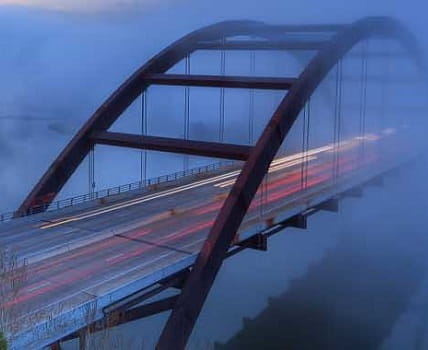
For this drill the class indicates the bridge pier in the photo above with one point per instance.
(331, 205)
(83, 337)
(297, 221)
(355, 192)
(257, 242)
(56, 346)
(377, 181)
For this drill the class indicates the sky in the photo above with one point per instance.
(82, 5)
(61, 59)
(271, 8)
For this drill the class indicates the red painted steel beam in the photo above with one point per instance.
(150, 309)
(56, 346)
(262, 45)
(270, 83)
(309, 28)
(331, 205)
(139, 297)
(73, 154)
(116, 318)
(256, 242)
(189, 304)
(173, 145)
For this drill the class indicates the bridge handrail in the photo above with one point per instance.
(112, 191)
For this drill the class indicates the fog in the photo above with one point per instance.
(61, 65)
(59, 60)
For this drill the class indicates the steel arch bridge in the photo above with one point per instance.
(337, 41)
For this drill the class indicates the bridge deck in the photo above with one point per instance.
(81, 260)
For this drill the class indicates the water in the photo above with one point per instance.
(353, 280)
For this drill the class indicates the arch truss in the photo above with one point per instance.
(257, 157)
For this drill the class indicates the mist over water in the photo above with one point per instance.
(59, 63)
(58, 67)
(356, 279)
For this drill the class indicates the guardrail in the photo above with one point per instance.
(105, 193)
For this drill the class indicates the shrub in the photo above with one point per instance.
(3, 343)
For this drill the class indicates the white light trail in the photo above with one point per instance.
(277, 164)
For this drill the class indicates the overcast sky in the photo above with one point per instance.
(80, 5)
(61, 58)
(307, 6)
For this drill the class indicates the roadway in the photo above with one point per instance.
(82, 259)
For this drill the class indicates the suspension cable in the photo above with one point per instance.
(251, 114)
(302, 167)
(305, 144)
(187, 101)
(92, 171)
(222, 92)
(187, 111)
(308, 122)
(384, 86)
(363, 97)
(337, 118)
(144, 126)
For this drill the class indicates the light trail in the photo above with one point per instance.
(272, 169)
(39, 288)
(141, 231)
(174, 236)
(176, 190)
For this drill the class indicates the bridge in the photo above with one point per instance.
(348, 107)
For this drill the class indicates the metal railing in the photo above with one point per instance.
(105, 193)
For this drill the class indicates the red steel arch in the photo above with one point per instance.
(189, 304)
(73, 154)
(258, 158)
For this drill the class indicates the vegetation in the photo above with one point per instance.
(12, 277)
(3, 343)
